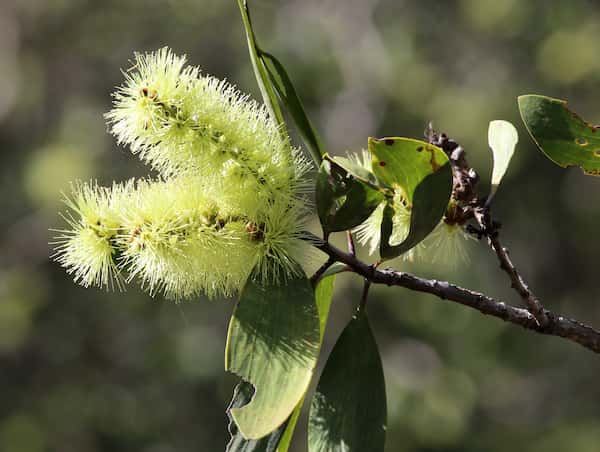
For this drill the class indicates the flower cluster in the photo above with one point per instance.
(227, 203)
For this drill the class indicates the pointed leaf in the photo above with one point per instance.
(289, 98)
(324, 296)
(290, 426)
(502, 138)
(422, 173)
(260, 71)
(273, 343)
(343, 201)
(348, 410)
(561, 134)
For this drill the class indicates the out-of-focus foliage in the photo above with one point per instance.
(90, 371)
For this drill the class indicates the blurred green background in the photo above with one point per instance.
(90, 371)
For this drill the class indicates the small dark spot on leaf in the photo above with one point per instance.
(389, 141)
(581, 141)
(420, 148)
(382, 163)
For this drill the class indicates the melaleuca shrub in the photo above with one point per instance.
(227, 204)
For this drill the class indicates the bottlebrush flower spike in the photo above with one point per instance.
(228, 204)
(179, 121)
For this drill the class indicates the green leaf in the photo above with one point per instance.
(348, 410)
(356, 170)
(422, 173)
(336, 268)
(502, 138)
(323, 296)
(561, 134)
(241, 396)
(290, 426)
(343, 201)
(260, 71)
(273, 343)
(289, 98)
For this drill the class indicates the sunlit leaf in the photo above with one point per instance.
(260, 71)
(561, 134)
(323, 296)
(290, 100)
(421, 173)
(273, 343)
(502, 138)
(348, 410)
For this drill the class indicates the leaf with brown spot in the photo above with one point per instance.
(562, 135)
(425, 179)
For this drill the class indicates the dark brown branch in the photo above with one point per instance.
(555, 325)
(314, 279)
(490, 229)
(467, 204)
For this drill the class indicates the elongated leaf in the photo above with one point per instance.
(502, 138)
(290, 426)
(343, 201)
(348, 410)
(289, 98)
(421, 173)
(242, 394)
(561, 134)
(260, 71)
(323, 296)
(273, 343)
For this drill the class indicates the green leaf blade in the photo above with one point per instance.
(562, 135)
(323, 297)
(343, 200)
(273, 342)
(289, 98)
(260, 71)
(348, 411)
(422, 172)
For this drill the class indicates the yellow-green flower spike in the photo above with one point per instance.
(227, 205)
(179, 121)
(87, 250)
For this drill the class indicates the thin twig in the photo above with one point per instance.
(490, 229)
(556, 325)
(351, 245)
(314, 279)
